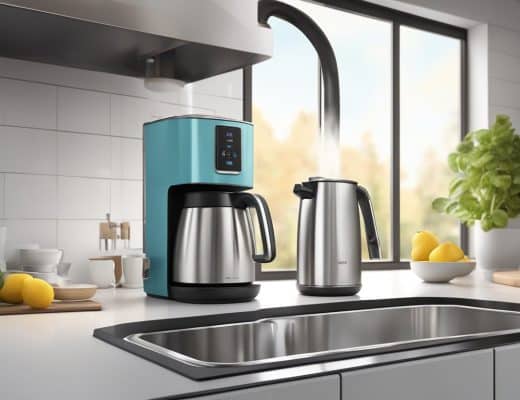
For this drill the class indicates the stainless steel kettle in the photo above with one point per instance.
(329, 236)
(215, 241)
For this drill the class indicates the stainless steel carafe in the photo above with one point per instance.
(329, 236)
(215, 242)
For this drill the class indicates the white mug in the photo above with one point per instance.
(102, 273)
(133, 266)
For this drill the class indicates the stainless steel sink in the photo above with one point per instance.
(305, 336)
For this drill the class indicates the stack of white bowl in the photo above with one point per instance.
(41, 263)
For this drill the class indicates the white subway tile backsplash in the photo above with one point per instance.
(127, 158)
(504, 93)
(83, 111)
(27, 150)
(504, 66)
(230, 109)
(80, 241)
(26, 231)
(2, 191)
(504, 40)
(27, 104)
(30, 196)
(225, 85)
(164, 110)
(71, 150)
(222, 106)
(110, 83)
(84, 155)
(136, 234)
(128, 114)
(126, 200)
(83, 198)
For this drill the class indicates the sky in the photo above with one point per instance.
(430, 82)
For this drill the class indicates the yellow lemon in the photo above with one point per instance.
(37, 293)
(11, 292)
(446, 252)
(465, 259)
(423, 242)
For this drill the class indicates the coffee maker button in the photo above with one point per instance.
(227, 154)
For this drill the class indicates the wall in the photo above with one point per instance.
(71, 150)
(504, 72)
(494, 54)
(494, 47)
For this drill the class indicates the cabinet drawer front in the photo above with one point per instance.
(466, 376)
(322, 388)
(507, 372)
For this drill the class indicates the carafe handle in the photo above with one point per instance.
(365, 204)
(244, 200)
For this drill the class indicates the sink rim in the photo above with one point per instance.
(136, 339)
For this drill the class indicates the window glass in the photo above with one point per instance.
(285, 115)
(430, 129)
(363, 48)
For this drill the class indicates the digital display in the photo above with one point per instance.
(228, 149)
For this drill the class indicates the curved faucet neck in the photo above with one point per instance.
(327, 58)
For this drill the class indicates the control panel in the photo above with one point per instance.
(228, 149)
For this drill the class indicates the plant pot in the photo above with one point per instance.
(498, 249)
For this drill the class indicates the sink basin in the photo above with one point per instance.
(273, 340)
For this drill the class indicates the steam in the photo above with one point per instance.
(162, 85)
(188, 90)
(329, 157)
(329, 163)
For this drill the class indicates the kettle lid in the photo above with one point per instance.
(307, 189)
(339, 180)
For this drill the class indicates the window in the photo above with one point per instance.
(430, 129)
(402, 112)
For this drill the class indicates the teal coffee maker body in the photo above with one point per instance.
(198, 229)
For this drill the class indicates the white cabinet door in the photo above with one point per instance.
(507, 372)
(322, 388)
(465, 376)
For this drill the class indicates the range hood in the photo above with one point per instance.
(189, 39)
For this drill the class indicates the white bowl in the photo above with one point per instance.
(51, 268)
(49, 277)
(37, 257)
(441, 272)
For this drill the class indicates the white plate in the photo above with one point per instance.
(441, 272)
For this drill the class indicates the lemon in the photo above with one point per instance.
(423, 242)
(465, 259)
(11, 291)
(37, 293)
(446, 252)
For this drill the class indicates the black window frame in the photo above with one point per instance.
(397, 19)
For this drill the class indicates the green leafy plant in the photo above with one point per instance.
(486, 187)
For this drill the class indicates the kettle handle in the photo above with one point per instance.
(365, 204)
(244, 200)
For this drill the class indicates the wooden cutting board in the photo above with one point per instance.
(58, 306)
(510, 278)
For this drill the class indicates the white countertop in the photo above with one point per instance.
(55, 355)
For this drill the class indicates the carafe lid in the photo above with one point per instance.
(207, 198)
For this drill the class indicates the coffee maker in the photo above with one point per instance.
(198, 230)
